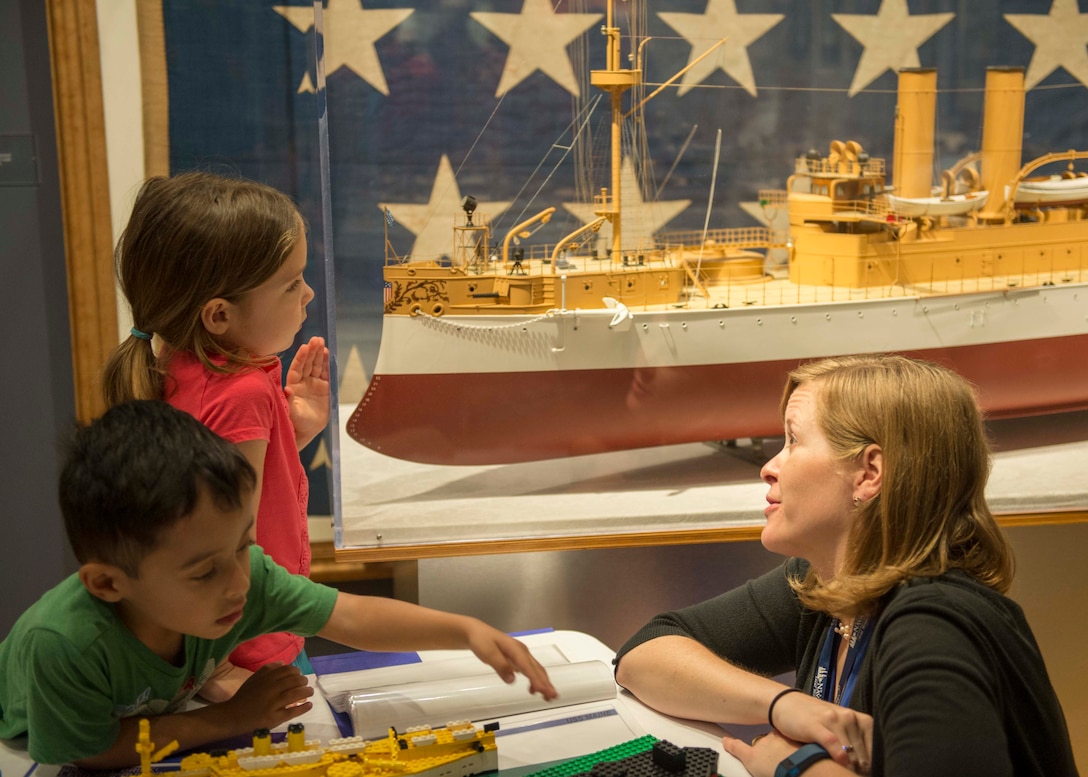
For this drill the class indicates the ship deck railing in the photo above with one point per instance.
(663, 250)
(776, 289)
(876, 207)
(825, 167)
(732, 237)
(774, 198)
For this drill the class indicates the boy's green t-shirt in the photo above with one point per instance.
(71, 670)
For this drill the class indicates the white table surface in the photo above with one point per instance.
(576, 646)
(579, 646)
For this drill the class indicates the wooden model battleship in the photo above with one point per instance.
(508, 353)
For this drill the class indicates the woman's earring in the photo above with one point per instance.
(857, 502)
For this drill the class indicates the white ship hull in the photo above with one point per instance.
(489, 390)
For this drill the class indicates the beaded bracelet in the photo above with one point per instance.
(774, 701)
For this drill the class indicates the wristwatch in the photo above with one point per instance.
(800, 760)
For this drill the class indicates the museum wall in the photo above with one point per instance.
(36, 394)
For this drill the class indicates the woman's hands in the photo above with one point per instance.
(799, 719)
(762, 757)
(307, 390)
(767, 751)
(803, 718)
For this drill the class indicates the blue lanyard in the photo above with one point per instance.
(824, 685)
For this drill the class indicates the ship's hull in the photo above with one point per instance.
(493, 390)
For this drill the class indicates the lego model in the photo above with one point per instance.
(497, 354)
(457, 750)
(642, 757)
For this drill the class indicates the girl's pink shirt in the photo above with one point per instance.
(251, 405)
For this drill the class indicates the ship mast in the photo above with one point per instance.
(614, 80)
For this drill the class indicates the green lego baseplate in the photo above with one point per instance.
(646, 756)
(586, 762)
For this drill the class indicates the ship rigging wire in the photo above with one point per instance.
(709, 202)
(582, 121)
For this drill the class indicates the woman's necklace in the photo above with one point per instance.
(838, 686)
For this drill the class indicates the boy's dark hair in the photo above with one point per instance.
(135, 472)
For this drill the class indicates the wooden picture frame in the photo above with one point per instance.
(92, 300)
(85, 201)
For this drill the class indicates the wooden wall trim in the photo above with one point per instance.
(85, 196)
(654, 539)
(154, 87)
(535, 544)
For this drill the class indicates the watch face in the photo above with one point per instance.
(802, 758)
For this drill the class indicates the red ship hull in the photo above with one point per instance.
(506, 417)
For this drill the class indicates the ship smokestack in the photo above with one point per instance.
(1002, 134)
(915, 114)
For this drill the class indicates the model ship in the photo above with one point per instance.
(456, 750)
(511, 353)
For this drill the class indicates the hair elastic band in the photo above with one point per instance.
(774, 701)
(137, 333)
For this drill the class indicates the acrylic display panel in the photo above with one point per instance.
(418, 106)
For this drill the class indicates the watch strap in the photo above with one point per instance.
(800, 760)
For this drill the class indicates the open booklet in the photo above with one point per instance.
(584, 718)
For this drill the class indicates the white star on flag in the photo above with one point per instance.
(350, 35)
(721, 20)
(538, 39)
(891, 39)
(1060, 38)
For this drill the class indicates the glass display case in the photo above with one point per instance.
(561, 247)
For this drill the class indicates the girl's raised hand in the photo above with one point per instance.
(307, 390)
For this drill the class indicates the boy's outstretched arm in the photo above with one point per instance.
(376, 623)
(273, 695)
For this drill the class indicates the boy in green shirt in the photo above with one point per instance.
(160, 515)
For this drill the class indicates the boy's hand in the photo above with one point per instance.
(307, 390)
(274, 694)
(506, 656)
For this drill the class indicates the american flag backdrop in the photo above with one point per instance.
(431, 100)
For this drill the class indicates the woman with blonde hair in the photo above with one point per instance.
(890, 610)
